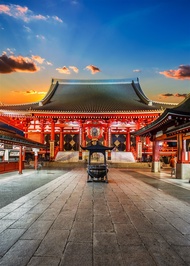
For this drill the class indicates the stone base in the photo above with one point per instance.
(155, 167)
(73, 156)
(122, 157)
(182, 171)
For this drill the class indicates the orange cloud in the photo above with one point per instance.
(30, 92)
(75, 69)
(4, 9)
(166, 95)
(38, 59)
(16, 64)
(93, 69)
(183, 72)
(23, 13)
(64, 70)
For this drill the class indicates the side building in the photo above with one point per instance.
(75, 112)
(172, 125)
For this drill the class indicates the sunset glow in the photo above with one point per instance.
(85, 39)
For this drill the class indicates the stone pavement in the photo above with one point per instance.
(129, 221)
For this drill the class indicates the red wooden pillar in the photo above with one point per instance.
(180, 148)
(182, 166)
(26, 131)
(137, 137)
(156, 156)
(106, 137)
(80, 142)
(83, 138)
(20, 161)
(128, 140)
(61, 139)
(42, 131)
(109, 142)
(52, 130)
(52, 141)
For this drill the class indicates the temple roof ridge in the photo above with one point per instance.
(95, 81)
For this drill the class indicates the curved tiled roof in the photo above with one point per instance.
(168, 118)
(92, 96)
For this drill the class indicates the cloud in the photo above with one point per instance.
(93, 69)
(27, 29)
(181, 95)
(23, 13)
(9, 64)
(178, 95)
(75, 69)
(56, 18)
(30, 92)
(49, 63)
(183, 72)
(64, 70)
(137, 70)
(38, 59)
(40, 37)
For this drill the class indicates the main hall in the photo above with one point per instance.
(76, 112)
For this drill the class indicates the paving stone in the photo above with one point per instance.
(16, 214)
(39, 208)
(142, 224)
(25, 221)
(119, 217)
(137, 256)
(49, 214)
(44, 261)
(84, 215)
(103, 223)
(81, 232)
(85, 204)
(53, 244)
(77, 254)
(108, 260)
(11, 207)
(126, 234)
(160, 250)
(37, 230)
(183, 252)
(63, 222)
(5, 224)
(114, 205)
(71, 222)
(154, 217)
(2, 214)
(20, 253)
(8, 238)
(181, 225)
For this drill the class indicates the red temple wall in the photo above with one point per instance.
(34, 136)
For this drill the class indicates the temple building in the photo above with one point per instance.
(173, 126)
(75, 112)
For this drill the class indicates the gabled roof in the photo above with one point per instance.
(92, 96)
(171, 120)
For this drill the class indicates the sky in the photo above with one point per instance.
(94, 39)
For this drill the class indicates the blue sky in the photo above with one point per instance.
(94, 39)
